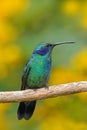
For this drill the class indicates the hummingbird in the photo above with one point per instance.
(36, 75)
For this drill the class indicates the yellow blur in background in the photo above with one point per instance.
(25, 23)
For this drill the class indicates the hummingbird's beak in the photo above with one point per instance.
(60, 43)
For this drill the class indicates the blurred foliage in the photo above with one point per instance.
(23, 24)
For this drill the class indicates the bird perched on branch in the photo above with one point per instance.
(36, 75)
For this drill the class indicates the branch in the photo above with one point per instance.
(43, 93)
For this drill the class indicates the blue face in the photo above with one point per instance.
(43, 48)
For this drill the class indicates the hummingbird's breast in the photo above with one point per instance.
(39, 74)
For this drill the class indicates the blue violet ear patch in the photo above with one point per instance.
(42, 51)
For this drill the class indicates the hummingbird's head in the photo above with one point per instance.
(46, 48)
(43, 48)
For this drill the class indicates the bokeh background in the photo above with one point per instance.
(25, 23)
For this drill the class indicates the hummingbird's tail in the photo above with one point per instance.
(26, 109)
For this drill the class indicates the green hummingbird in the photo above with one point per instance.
(36, 75)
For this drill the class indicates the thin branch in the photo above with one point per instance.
(43, 93)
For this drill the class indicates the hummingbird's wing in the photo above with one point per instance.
(25, 76)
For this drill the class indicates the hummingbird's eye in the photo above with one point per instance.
(48, 45)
